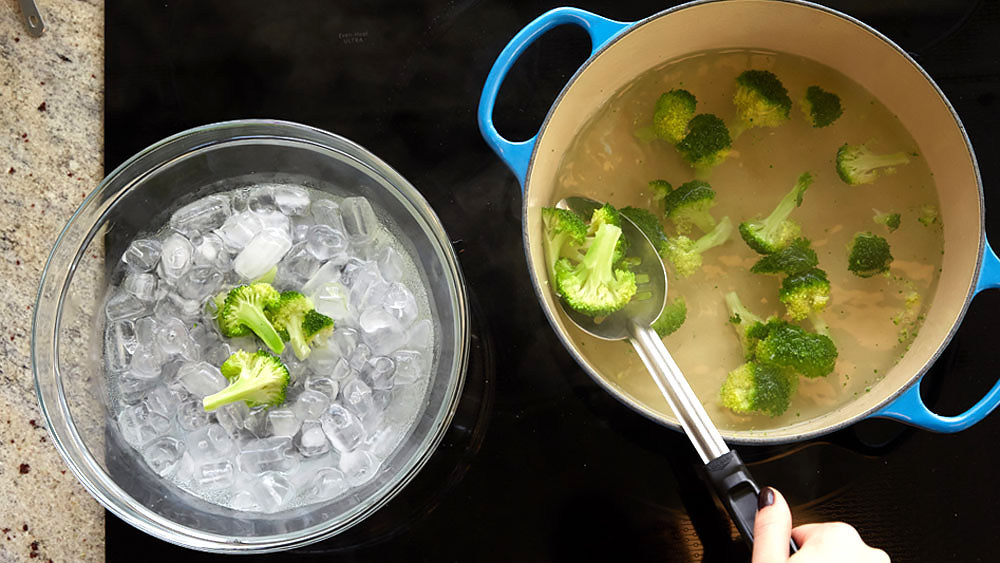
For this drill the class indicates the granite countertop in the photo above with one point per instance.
(51, 123)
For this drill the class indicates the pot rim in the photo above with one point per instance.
(95, 478)
(728, 435)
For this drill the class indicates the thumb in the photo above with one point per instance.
(772, 529)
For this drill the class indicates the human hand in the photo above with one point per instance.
(829, 542)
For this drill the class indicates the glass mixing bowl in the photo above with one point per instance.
(138, 197)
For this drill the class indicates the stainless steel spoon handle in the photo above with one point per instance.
(32, 18)
(679, 395)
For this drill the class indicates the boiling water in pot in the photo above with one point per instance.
(608, 161)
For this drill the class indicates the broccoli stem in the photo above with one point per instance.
(599, 257)
(718, 235)
(872, 161)
(236, 391)
(785, 207)
(736, 309)
(256, 321)
(297, 339)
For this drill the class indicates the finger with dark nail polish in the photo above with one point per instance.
(766, 498)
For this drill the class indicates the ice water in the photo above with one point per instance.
(348, 406)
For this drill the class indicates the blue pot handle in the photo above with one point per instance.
(517, 154)
(910, 408)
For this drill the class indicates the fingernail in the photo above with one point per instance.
(766, 498)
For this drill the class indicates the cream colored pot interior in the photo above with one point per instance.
(826, 38)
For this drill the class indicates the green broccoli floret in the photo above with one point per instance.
(243, 312)
(928, 215)
(316, 327)
(606, 215)
(775, 232)
(761, 100)
(795, 258)
(856, 164)
(805, 293)
(648, 223)
(287, 316)
(565, 232)
(658, 190)
(707, 142)
(595, 286)
(685, 254)
(673, 316)
(673, 111)
(789, 346)
(749, 327)
(258, 379)
(690, 204)
(868, 254)
(758, 388)
(890, 220)
(821, 107)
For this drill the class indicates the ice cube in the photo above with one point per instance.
(291, 200)
(119, 344)
(215, 475)
(322, 384)
(327, 273)
(191, 415)
(147, 362)
(359, 467)
(172, 305)
(379, 372)
(383, 441)
(271, 491)
(262, 253)
(261, 198)
(407, 402)
(211, 251)
(245, 501)
(217, 353)
(387, 340)
(275, 220)
(328, 483)
(360, 222)
(256, 422)
(359, 357)
(209, 443)
(140, 426)
(381, 398)
(309, 405)
(173, 338)
(201, 379)
(199, 282)
(332, 301)
(267, 454)
(299, 233)
(342, 427)
(142, 285)
(327, 243)
(344, 341)
(367, 294)
(377, 319)
(177, 255)
(342, 371)
(162, 400)
(310, 441)
(133, 384)
(231, 417)
(163, 455)
(390, 264)
(123, 306)
(201, 215)
(283, 422)
(410, 366)
(145, 331)
(297, 266)
(352, 269)
(239, 229)
(357, 396)
(327, 212)
(142, 255)
(399, 301)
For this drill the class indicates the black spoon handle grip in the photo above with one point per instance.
(738, 492)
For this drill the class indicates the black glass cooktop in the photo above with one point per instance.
(540, 464)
